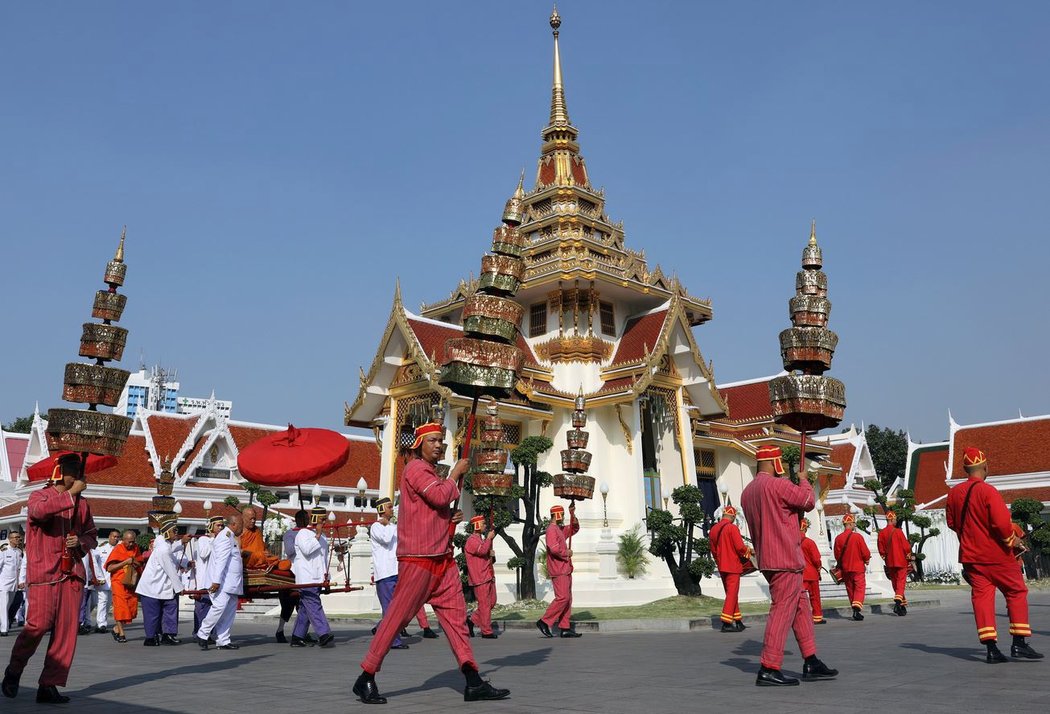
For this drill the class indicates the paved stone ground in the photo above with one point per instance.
(929, 660)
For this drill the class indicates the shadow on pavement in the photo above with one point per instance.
(744, 665)
(446, 680)
(964, 653)
(147, 677)
(525, 659)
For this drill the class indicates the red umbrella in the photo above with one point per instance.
(42, 470)
(293, 457)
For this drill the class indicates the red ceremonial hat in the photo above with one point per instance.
(771, 453)
(478, 522)
(728, 511)
(972, 456)
(849, 518)
(805, 523)
(558, 510)
(891, 515)
(431, 427)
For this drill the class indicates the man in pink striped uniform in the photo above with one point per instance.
(481, 575)
(559, 569)
(773, 507)
(427, 572)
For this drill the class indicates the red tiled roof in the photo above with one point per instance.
(841, 455)
(748, 402)
(640, 335)
(927, 479)
(133, 467)
(364, 461)
(16, 453)
(836, 509)
(432, 339)
(169, 433)
(1039, 494)
(1020, 447)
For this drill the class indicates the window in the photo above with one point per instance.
(651, 484)
(706, 473)
(538, 319)
(705, 463)
(339, 500)
(608, 318)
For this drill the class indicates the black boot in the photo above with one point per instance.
(50, 695)
(728, 627)
(994, 656)
(366, 690)
(544, 628)
(857, 614)
(896, 607)
(1022, 650)
(904, 610)
(327, 640)
(281, 639)
(774, 678)
(813, 669)
(740, 626)
(9, 687)
(429, 634)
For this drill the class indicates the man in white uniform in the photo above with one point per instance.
(289, 599)
(158, 586)
(311, 566)
(227, 575)
(10, 568)
(105, 592)
(202, 574)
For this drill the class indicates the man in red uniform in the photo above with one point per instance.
(427, 572)
(59, 532)
(773, 507)
(896, 553)
(978, 515)
(729, 550)
(852, 556)
(481, 575)
(811, 573)
(559, 570)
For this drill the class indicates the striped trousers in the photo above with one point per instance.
(437, 584)
(55, 610)
(984, 579)
(789, 610)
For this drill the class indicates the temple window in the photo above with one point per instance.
(608, 318)
(538, 319)
(706, 473)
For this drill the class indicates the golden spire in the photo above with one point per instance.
(813, 232)
(559, 112)
(519, 192)
(119, 257)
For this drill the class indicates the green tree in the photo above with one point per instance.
(1028, 513)
(21, 425)
(889, 452)
(688, 556)
(253, 490)
(266, 499)
(907, 517)
(791, 455)
(528, 481)
(232, 502)
(631, 553)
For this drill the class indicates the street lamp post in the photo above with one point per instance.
(604, 489)
(316, 493)
(666, 495)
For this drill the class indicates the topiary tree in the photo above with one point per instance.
(1028, 512)
(253, 490)
(267, 498)
(528, 481)
(907, 516)
(688, 557)
(232, 502)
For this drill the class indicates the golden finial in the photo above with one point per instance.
(813, 232)
(519, 192)
(559, 112)
(119, 257)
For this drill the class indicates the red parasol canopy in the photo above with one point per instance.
(293, 457)
(42, 470)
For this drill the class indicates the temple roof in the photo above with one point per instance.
(1016, 446)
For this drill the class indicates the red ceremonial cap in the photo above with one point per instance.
(805, 523)
(972, 456)
(771, 453)
(478, 522)
(557, 510)
(429, 428)
(849, 518)
(728, 511)
(891, 516)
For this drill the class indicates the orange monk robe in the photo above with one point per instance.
(125, 602)
(258, 557)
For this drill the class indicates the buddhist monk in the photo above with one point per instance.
(253, 547)
(124, 564)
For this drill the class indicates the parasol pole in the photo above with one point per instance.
(465, 451)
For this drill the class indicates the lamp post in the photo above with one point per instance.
(316, 493)
(820, 517)
(666, 495)
(362, 486)
(723, 488)
(207, 510)
(604, 490)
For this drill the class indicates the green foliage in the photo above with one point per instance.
(1028, 512)
(232, 502)
(145, 540)
(541, 558)
(675, 540)
(267, 498)
(791, 456)
(889, 452)
(253, 490)
(21, 425)
(631, 553)
(907, 517)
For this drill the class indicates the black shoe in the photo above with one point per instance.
(774, 678)
(857, 614)
(544, 628)
(569, 633)
(203, 644)
(50, 695)
(309, 640)
(490, 636)
(152, 641)
(896, 608)
(121, 639)
(401, 646)
(170, 640)
(101, 630)
(327, 641)
(1024, 651)
(299, 642)
(85, 630)
(230, 646)
(281, 639)
(9, 687)
(816, 669)
(366, 690)
(740, 626)
(728, 627)
(429, 634)
(484, 692)
(404, 632)
(821, 621)
(904, 611)
(994, 656)
(470, 627)
(374, 629)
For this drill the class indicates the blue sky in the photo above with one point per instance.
(279, 164)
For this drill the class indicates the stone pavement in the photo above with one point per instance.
(929, 661)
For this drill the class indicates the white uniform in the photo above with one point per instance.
(311, 557)
(11, 566)
(227, 570)
(384, 550)
(89, 598)
(201, 576)
(105, 593)
(160, 578)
